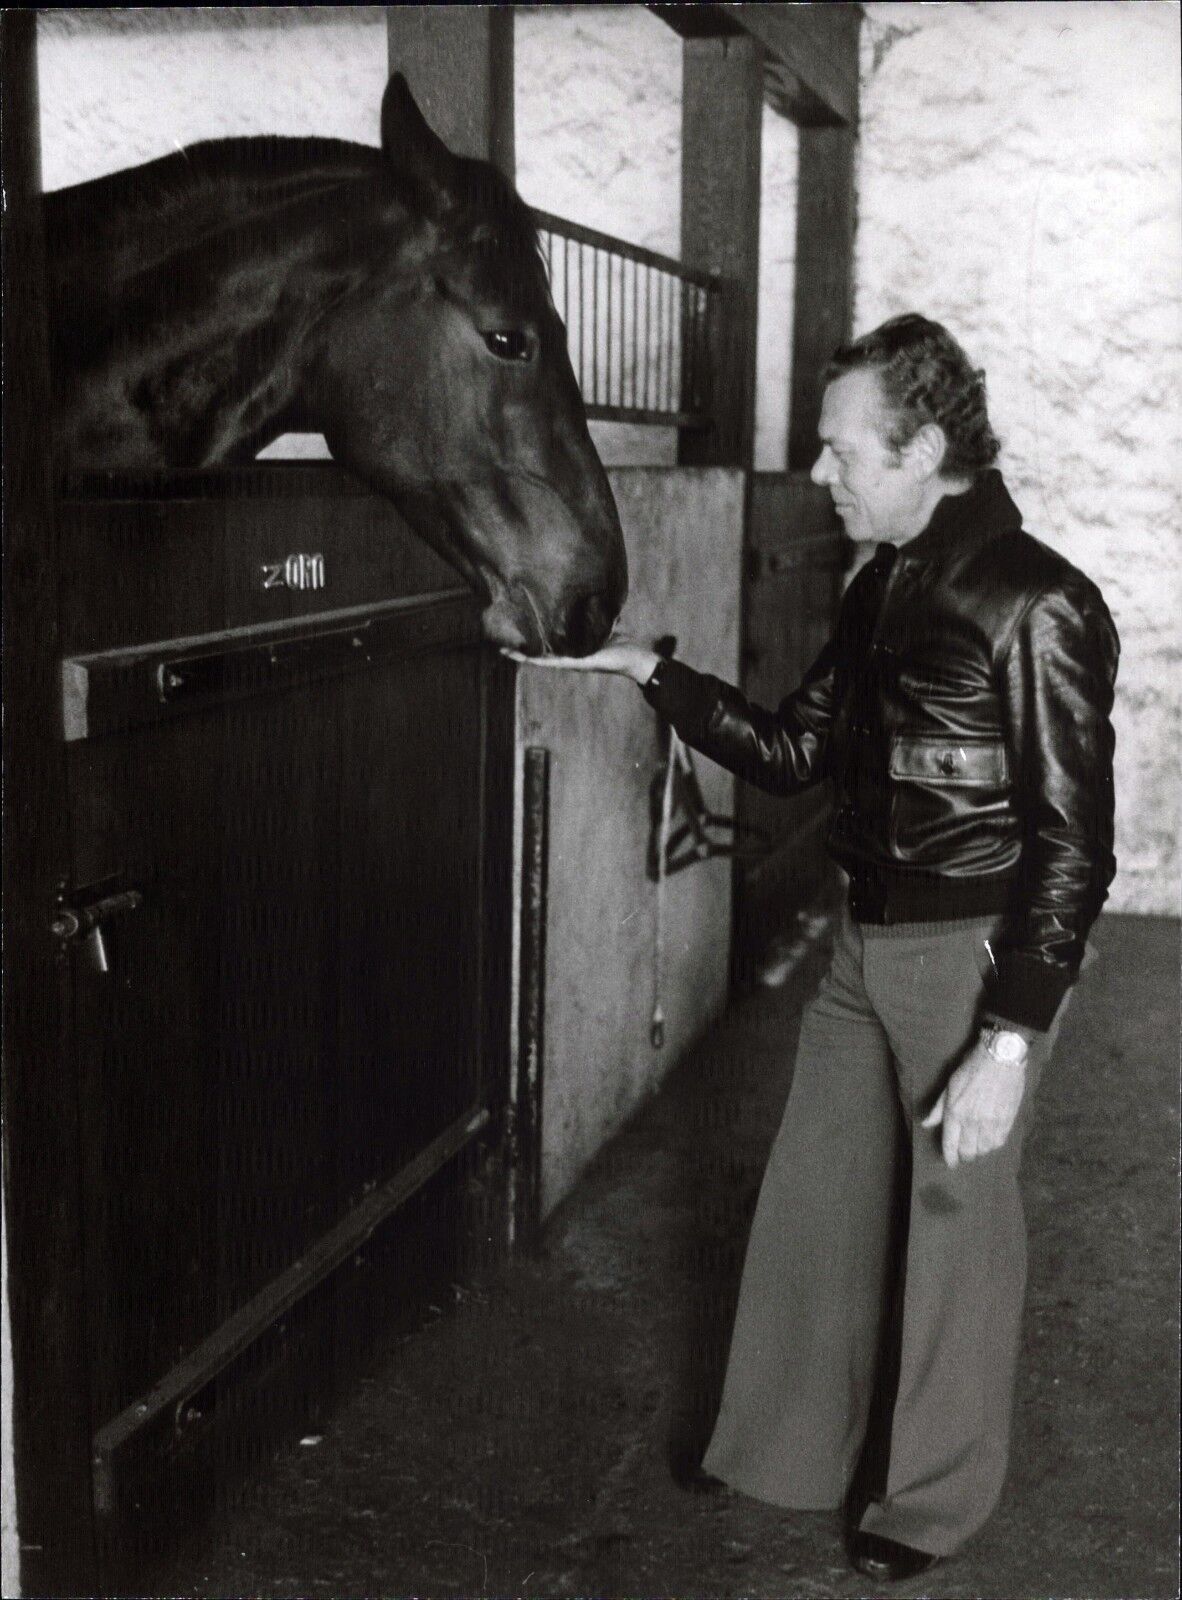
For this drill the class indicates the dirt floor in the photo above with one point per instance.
(521, 1442)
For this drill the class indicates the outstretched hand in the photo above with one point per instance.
(619, 656)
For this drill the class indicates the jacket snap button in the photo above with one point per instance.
(948, 762)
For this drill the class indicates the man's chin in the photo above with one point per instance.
(854, 525)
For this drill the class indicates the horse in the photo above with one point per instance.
(394, 300)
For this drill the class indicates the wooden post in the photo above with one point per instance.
(722, 110)
(823, 295)
(42, 1164)
(458, 61)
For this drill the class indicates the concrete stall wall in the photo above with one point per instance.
(1019, 179)
(684, 534)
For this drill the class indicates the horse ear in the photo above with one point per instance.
(409, 143)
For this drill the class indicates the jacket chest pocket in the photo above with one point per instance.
(949, 763)
(939, 788)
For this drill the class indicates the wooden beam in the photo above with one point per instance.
(42, 1161)
(458, 61)
(722, 114)
(816, 76)
(813, 42)
(698, 21)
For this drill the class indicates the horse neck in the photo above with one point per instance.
(155, 254)
(118, 227)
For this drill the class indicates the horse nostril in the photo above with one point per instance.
(587, 625)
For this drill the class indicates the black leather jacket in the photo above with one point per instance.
(961, 710)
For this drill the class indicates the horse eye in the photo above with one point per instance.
(509, 344)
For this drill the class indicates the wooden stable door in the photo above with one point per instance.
(288, 765)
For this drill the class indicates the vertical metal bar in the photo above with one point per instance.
(582, 321)
(641, 339)
(635, 328)
(682, 396)
(595, 254)
(658, 351)
(708, 343)
(655, 402)
(670, 284)
(701, 311)
(666, 339)
(609, 263)
(532, 995)
(691, 347)
(666, 343)
(566, 287)
(648, 336)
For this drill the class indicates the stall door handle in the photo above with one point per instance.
(78, 917)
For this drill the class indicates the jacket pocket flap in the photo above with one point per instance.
(935, 759)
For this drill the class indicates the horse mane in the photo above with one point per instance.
(203, 178)
(184, 192)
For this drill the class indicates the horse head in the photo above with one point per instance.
(394, 300)
(441, 375)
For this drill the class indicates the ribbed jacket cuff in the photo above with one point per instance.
(1028, 991)
(680, 695)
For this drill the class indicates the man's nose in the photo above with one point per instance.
(822, 467)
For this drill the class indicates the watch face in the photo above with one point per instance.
(1009, 1046)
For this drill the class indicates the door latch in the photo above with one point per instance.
(78, 917)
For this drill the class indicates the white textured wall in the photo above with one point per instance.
(1019, 180)
(119, 87)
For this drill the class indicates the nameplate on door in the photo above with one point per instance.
(298, 571)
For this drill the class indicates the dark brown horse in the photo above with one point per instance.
(394, 300)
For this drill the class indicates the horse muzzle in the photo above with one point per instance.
(516, 618)
(587, 623)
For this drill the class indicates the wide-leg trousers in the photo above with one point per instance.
(882, 1289)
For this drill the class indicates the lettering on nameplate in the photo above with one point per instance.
(299, 571)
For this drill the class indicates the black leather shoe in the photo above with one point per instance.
(696, 1480)
(887, 1560)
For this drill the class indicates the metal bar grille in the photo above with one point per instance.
(643, 331)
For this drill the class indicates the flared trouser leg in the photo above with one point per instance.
(964, 1269)
(860, 1224)
(807, 1327)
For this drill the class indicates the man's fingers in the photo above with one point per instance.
(933, 1117)
(950, 1144)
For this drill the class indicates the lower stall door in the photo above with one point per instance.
(279, 1043)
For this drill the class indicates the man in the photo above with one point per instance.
(961, 712)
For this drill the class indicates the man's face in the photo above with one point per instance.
(876, 494)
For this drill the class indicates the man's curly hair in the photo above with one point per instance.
(926, 377)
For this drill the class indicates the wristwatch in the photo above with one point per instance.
(1010, 1049)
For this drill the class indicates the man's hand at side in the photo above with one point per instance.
(979, 1105)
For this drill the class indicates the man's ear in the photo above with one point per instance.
(926, 449)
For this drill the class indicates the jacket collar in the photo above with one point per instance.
(982, 512)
